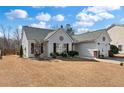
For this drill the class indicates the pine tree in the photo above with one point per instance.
(21, 51)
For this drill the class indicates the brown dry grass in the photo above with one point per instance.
(15, 71)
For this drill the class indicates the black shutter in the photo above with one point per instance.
(41, 47)
(54, 47)
(32, 48)
(67, 47)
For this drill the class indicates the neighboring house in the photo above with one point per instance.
(116, 33)
(46, 41)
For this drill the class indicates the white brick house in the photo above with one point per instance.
(90, 44)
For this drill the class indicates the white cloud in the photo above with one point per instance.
(89, 16)
(40, 25)
(59, 17)
(43, 16)
(106, 15)
(99, 9)
(60, 6)
(17, 13)
(38, 6)
(83, 23)
(81, 30)
(20, 27)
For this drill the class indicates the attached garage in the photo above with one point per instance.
(86, 49)
(92, 44)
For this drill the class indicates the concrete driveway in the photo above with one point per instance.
(111, 60)
(117, 59)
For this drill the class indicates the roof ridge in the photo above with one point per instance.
(38, 28)
(99, 30)
(112, 25)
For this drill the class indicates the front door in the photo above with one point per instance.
(96, 54)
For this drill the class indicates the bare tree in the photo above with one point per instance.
(5, 30)
(8, 36)
(17, 39)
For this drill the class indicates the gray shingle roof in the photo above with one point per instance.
(41, 34)
(49, 35)
(36, 33)
(89, 36)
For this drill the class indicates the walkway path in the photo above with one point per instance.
(111, 60)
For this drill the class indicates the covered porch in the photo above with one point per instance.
(38, 49)
(59, 47)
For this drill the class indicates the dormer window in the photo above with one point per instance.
(103, 38)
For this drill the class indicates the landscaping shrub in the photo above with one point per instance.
(21, 51)
(57, 54)
(64, 54)
(53, 55)
(114, 49)
(111, 54)
(73, 53)
(101, 56)
(37, 55)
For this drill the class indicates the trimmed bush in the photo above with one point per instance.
(73, 53)
(21, 51)
(37, 55)
(57, 54)
(114, 49)
(111, 54)
(64, 54)
(53, 55)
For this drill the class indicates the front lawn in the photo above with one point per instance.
(15, 71)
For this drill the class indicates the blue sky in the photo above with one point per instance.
(82, 18)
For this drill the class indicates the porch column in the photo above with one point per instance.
(70, 46)
(50, 48)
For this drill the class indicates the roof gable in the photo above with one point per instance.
(89, 36)
(49, 35)
(104, 34)
(54, 32)
(36, 33)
